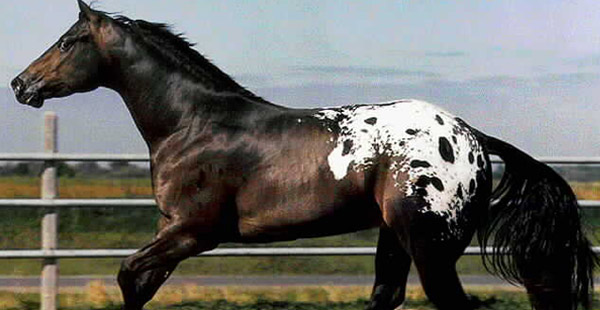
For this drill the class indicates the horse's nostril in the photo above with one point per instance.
(18, 86)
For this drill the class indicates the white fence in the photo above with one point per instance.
(50, 203)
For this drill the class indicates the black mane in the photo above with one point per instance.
(176, 50)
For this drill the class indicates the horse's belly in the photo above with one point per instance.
(287, 213)
(294, 195)
(286, 225)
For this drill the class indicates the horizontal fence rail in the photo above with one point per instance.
(555, 160)
(225, 252)
(131, 203)
(116, 253)
(72, 157)
(77, 203)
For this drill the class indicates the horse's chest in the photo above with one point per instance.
(189, 189)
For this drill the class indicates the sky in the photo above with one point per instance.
(527, 72)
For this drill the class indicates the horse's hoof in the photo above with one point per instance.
(475, 302)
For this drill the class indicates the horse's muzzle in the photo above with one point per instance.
(25, 96)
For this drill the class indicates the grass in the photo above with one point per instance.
(80, 187)
(588, 190)
(131, 228)
(29, 187)
(229, 266)
(190, 297)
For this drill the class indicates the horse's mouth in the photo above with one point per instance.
(31, 99)
(25, 96)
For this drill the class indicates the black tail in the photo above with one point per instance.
(535, 218)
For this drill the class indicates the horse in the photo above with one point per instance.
(230, 166)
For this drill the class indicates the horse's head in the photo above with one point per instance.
(73, 64)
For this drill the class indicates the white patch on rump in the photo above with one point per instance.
(406, 130)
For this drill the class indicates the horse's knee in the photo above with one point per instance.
(128, 265)
(129, 271)
(126, 273)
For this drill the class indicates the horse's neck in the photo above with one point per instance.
(163, 102)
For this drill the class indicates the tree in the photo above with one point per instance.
(21, 169)
(89, 169)
(118, 165)
(65, 170)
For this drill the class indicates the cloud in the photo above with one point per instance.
(252, 79)
(541, 84)
(546, 115)
(367, 71)
(586, 62)
(445, 54)
(420, 54)
(497, 81)
(570, 79)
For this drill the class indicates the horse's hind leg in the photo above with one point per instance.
(392, 265)
(144, 272)
(440, 280)
(434, 251)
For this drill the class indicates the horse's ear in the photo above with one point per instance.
(84, 8)
(85, 12)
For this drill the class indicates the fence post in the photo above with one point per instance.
(49, 190)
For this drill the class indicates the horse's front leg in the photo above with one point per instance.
(144, 272)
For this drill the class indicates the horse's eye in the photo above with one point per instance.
(65, 45)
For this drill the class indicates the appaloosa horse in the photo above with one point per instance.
(228, 166)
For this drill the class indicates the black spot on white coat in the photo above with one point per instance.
(472, 186)
(459, 191)
(439, 120)
(347, 147)
(424, 181)
(437, 183)
(371, 120)
(419, 164)
(479, 161)
(445, 149)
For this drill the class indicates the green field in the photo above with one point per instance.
(271, 298)
(266, 298)
(91, 228)
(131, 228)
